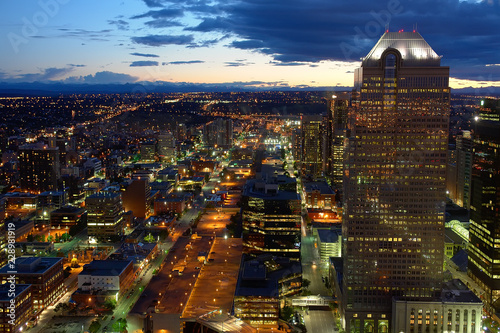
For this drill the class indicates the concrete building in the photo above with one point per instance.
(102, 279)
(329, 243)
(457, 310)
(136, 196)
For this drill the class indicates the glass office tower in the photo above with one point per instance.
(484, 236)
(394, 181)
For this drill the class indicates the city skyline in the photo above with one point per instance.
(241, 44)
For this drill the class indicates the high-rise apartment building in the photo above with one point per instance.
(218, 133)
(484, 232)
(39, 168)
(166, 147)
(313, 145)
(104, 215)
(394, 185)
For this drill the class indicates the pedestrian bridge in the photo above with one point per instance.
(313, 300)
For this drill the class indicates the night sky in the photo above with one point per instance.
(253, 43)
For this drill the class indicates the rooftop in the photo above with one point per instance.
(322, 187)
(415, 51)
(5, 291)
(329, 235)
(31, 265)
(105, 267)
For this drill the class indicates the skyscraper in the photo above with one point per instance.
(394, 185)
(337, 131)
(313, 149)
(484, 233)
(464, 165)
(218, 133)
(39, 168)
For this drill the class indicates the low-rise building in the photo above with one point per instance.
(457, 310)
(66, 217)
(141, 254)
(16, 300)
(44, 274)
(319, 195)
(263, 282)
(104, 279)
(329, 243)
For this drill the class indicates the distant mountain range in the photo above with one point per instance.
(56, 88)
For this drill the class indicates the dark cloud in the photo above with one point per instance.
(294, 63)
(159, 40)
(143, 63)
(162, 23)
(47, 74)
(234, 64)
(76, 65)
(184, 62)
(147, 55)
(464, 32)
(162, 13)
(120, 24)
(104, 77)
(153, 3)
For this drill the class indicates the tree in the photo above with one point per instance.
(40, 238)
(65, 237)
(234, 226)
(149, 238)
(286, 313)
(30, 238)
(110, 304)
(94, 326)
(306, 283)
(50, 238)
(120, 325)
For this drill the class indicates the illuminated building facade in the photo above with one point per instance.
(337, 132)
(44, 274)
(166, 146)
(39, 168)
(464, 168)
(484, 232)
(313, 148)
(104, 215)
(22, 304)
(218, 133)
(394, 184)
(271, 218)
